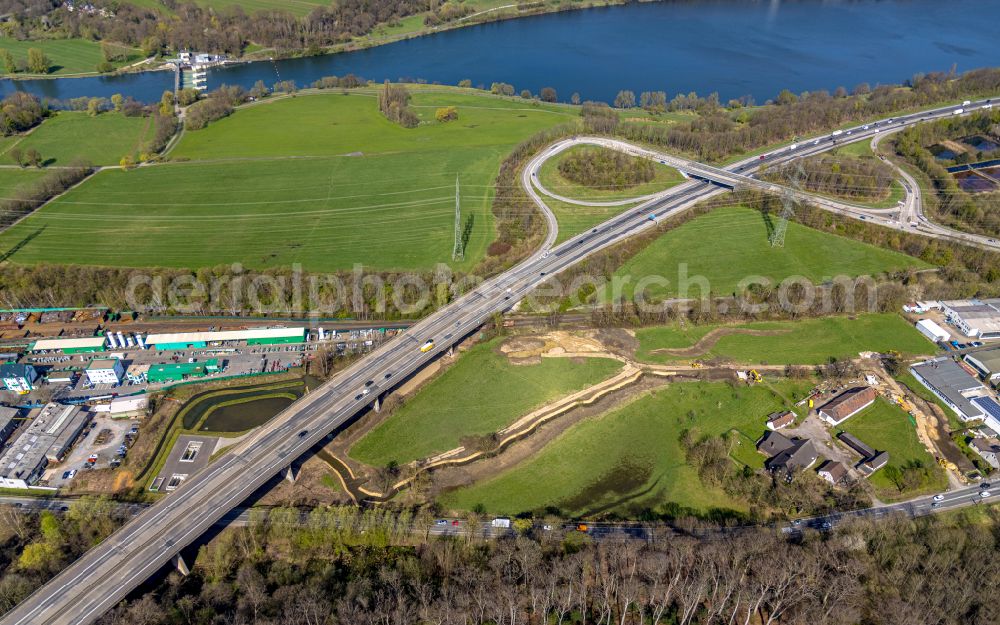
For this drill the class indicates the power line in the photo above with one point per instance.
(458, 251)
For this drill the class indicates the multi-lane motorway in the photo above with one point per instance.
(108, 572)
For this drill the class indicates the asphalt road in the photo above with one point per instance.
(108, 572)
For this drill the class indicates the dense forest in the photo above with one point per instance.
(895, 571)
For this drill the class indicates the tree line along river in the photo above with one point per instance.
(731, 47)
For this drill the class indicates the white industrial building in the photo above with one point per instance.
(255, 336)
(973, 317)
(932, 331)
(52, 432)
(105, 371)
(70, 346)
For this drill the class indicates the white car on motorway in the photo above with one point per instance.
(938, 497)
(984, 494)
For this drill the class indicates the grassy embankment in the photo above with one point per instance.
(68, 56)
(886, 427)
(482, 393)
(573, 218)
(553, 180)
(731, 244)
(68, 135)
(629, 460)
(339, 186)
(805, 342)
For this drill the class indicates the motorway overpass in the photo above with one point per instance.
(108, 572)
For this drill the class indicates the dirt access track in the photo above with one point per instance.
(708, 341)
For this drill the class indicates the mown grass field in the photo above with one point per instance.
(321, 180)
(480, 394)
(552, 179)
(68, 56)
(803, 342)
(11, 179)
(629, 460)
(886, 427)
(100, 140)
(730, 245)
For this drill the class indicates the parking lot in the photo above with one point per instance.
(104, 438)
(240, 362)
(189, 455)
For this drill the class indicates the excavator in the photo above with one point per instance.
(945, 464)
(755, 377)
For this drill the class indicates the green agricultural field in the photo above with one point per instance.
(551, 178)
(459, 403)
(730, 245)
(68, 56)
(12, 179)
(101, 140)
(321, 180)
(886, 427)
(629, 460)
(804, 342)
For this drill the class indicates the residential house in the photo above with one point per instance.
(786, 454)
(833, 472)
(989, 449)
(778, 420)
(847, 404)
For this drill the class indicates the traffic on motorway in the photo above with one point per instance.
(155, 536)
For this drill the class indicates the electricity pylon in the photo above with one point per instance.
(788, 202)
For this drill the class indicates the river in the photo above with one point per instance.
(732, 47)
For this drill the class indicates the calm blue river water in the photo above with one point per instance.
(733, 47)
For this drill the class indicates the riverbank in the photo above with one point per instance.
(411, 27)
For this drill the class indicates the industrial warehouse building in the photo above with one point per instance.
(69, 346)
(51, 434)
(105, 371)
(953, 385)
(932, 331)
(986, 362)
(973, 317)
(177, 372)
(8, 422)
(262, 336)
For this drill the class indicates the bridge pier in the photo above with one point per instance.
(178, 562)
(291, 473)
(377, 406)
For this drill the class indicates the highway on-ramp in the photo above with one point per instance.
(108, 572)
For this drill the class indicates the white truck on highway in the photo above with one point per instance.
(958, 111)
(836, 133)
(500, 522)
